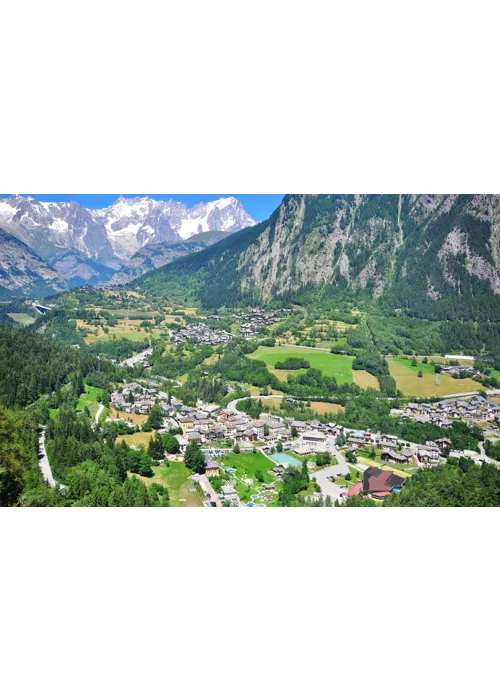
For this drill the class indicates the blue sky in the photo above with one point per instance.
(260, 206)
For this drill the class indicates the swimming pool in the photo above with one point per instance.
(281, 457)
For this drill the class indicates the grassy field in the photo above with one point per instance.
(325, 407)
(136, 419)
(246, 464)
(125, 329)
(398, 472)
(410, 384)
(364, 379)
(175, 477)
(89, 397)
(22, 318)
(136, 439)
(318, 406)
(356, 475)
(338, 366)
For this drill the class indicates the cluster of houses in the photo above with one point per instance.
(443, 413)
(200, 334)
(141, 359)
(134, 398)
(455, 370)
(251, 322)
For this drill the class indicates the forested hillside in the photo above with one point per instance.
(32, 365)
(432, 256)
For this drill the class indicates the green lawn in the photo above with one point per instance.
(89, 397)
(22, 318)
(175, 477)
(353, 470)
(246, 464)
(338, 366)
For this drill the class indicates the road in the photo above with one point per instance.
(328, 488)
(207, 488)
(232, 404)
(98, 414)
(43, 461)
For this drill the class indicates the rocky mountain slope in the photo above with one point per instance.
(22, 270)
(431, 255)
(153, 256)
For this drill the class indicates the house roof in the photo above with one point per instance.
(354, 490)
(377, 480)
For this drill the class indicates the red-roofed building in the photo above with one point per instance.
(378, 483)
(354, 490)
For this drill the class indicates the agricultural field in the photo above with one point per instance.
(338, 366)
(125, 329)
(135, 418)
(325, 407)
(365, 380)
(89, 398)
(22, 318)
(410, 384)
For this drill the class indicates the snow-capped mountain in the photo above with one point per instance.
(52, 228)
(113, 235)
(132, 224)
(87, 246)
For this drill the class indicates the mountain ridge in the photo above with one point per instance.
(22, 270)
(434, 255)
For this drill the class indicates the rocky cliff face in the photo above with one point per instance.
(21, 271)
(419, 252)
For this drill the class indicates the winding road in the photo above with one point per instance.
(43, 461)
(98, 414)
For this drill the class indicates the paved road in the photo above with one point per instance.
(43, 461)
(327, 487)
(97, 415)
(207, 487)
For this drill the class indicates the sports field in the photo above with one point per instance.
(338, 366)
(411, 384)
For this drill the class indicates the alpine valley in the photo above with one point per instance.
(345, 351)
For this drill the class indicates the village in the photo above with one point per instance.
(443, 413)
(341, 462)
(200, 334)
